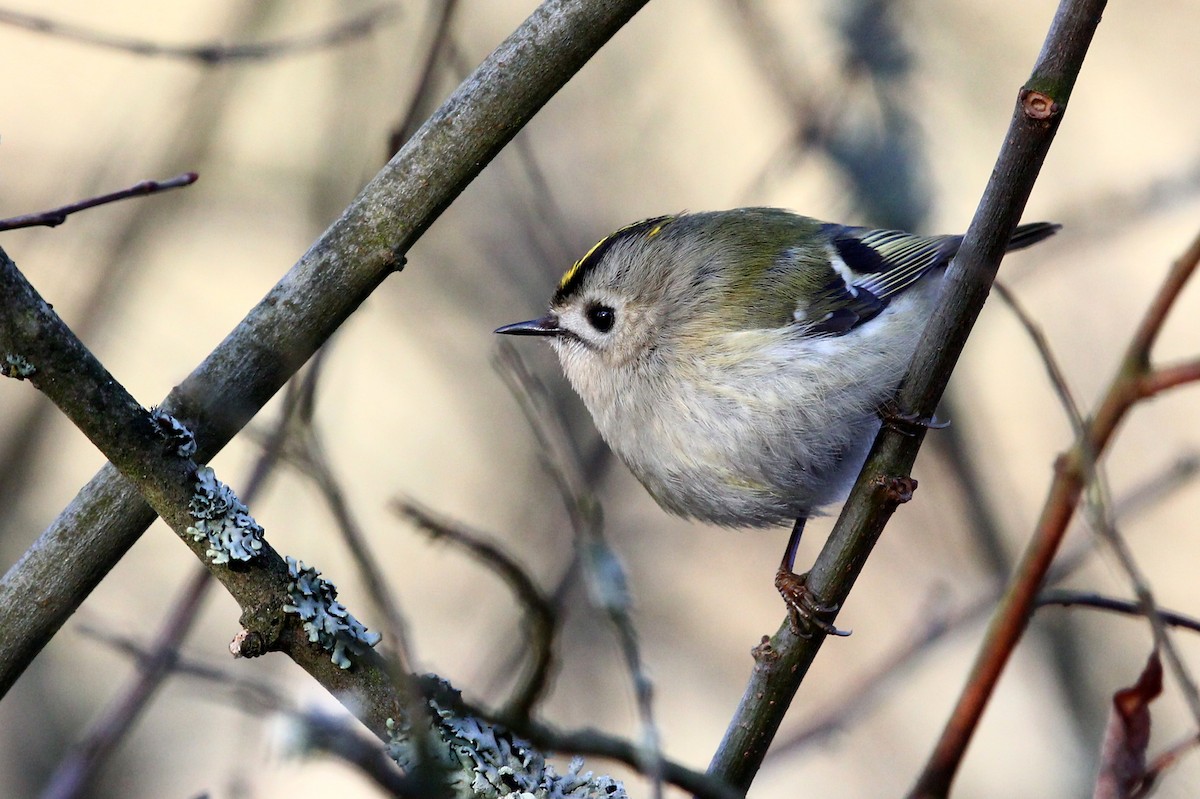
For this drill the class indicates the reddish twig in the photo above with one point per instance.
(57, 216)
(1072, 471)
(1165, 377)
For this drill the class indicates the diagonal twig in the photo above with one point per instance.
(1058, 379)
(57, 216)
(1073, 470)
(606, 576)
(214, 53)
(540, 612)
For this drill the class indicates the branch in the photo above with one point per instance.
(1127, 607)
(1071, 474)
(607, 582)
(884, 481)
(541, 616)
(208, 54)
(74, 774)
(40, 348)
(308, 305)
(57, 216)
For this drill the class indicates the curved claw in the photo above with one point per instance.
(907, 423)
(804, 611)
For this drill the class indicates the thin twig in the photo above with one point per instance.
(344, 32)
(57, 216)
(855, 699)
(319, 730)
(1072, 473)
(606, 575)
(1097, 511)
(554, 444)
(540, 613)
(309, 454)
(439, 39)
(1163, 378)
(1128, 607)
(1058, 379)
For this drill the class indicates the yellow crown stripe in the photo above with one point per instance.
(659, 223)
(570, 273)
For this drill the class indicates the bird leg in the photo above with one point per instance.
(907, 423)
(804, 611)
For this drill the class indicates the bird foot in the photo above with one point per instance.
(907, 423)
(804, 611)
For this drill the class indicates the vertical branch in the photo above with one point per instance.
(884, 483)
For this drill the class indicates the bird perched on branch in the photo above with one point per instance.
(738, 361)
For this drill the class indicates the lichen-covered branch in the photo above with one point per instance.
(279, 334)
(155, 453)
(286, 606)
(782, 664)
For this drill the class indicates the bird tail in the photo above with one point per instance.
(1030, 234)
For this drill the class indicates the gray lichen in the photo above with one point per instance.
(177, 436)
(493, 763)
(326, 620)
(17, 367)
(221, 517)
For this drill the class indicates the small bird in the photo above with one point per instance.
(740, 362)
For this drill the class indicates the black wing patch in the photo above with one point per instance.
(881, 264)
(844, 308)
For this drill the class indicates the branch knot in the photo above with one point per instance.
(1038, 106)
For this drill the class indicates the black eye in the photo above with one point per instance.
(601, 317)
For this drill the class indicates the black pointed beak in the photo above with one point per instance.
(546, 326)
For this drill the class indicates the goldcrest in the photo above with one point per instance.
(737, 361)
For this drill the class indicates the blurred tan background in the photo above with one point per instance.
(682, 110)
